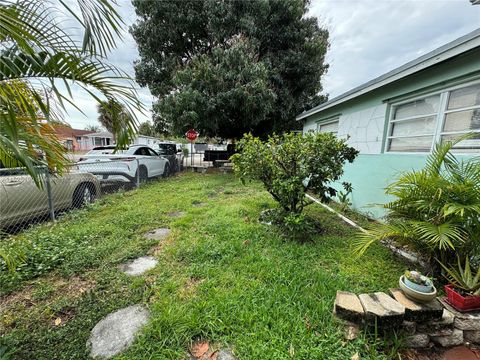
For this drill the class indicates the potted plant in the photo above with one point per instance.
(417, 287)
(463, 292)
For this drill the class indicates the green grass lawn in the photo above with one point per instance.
(222, 277)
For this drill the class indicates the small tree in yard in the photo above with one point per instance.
(289, 165)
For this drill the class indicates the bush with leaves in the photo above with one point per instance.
(289, 165)
(436, 209)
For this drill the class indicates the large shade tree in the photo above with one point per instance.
(185, 49)
(40, 60)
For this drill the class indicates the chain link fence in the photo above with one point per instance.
(23, 202)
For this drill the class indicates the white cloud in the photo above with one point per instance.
(371, 37)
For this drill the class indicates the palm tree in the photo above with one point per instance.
(113, 116)
(36, 55)
(93, 128)
(435, 209)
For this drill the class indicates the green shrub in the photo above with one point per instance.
(289, 165)
(436, 209)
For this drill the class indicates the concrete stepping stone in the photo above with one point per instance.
(158, 234)
(176, 214)
(418, 312)
(139, 265)
(198, 203)
(116, 331)
(348, 306)
(382, 310)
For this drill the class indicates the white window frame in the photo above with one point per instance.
(440, 117)
(328, 122)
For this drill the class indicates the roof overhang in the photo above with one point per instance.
(443, 53)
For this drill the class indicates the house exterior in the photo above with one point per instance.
(101, 138)
(72, 139)
(146, 140)
(396, 119)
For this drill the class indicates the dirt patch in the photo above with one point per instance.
(190, 287)
(157, 249)
(63, 316)
(72, 287)
(203, 350)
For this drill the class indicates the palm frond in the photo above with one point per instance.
(442, 236)
(393, 230)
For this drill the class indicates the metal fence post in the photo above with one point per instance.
(138, 174)
(49, 194)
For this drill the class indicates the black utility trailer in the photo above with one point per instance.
(218, 157)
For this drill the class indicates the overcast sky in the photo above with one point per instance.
(367, 39)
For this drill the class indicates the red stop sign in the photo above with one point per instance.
(191, 135)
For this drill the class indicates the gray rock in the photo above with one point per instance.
(176, 214)
(409, 327)
(139, 266)
(382, 310)
(472, 336)
(116, 331)
(418, 312)
(351, 331)
(417, 341)
(224, 354)
(456, 338)
(158, 234)
(445, 324)
(464, 321)
(348, 307)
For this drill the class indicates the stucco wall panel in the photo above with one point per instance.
(364, 128)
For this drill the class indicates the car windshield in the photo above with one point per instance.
(105, 151)
(166, 149)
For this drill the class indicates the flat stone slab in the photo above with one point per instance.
(382, 310)
(418, 312)
(463, 321)
(139, 266)
(158, 234)
(455, 338)
(116, 331)
(417, 341)
(472, 336)
(438, 327)
(348, 307)
(176, 214)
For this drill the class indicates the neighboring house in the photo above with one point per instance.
(72, 139)
(395, 119)
(102, 138)
(146, 140)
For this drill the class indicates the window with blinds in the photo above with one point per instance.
(417, 125)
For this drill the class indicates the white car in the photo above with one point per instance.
(137, 163)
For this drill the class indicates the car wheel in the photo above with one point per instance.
(166, 171)
(83, 195)
(143, 176)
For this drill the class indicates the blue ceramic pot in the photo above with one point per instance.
(420, 288)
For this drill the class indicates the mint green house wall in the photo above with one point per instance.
(364, 120)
